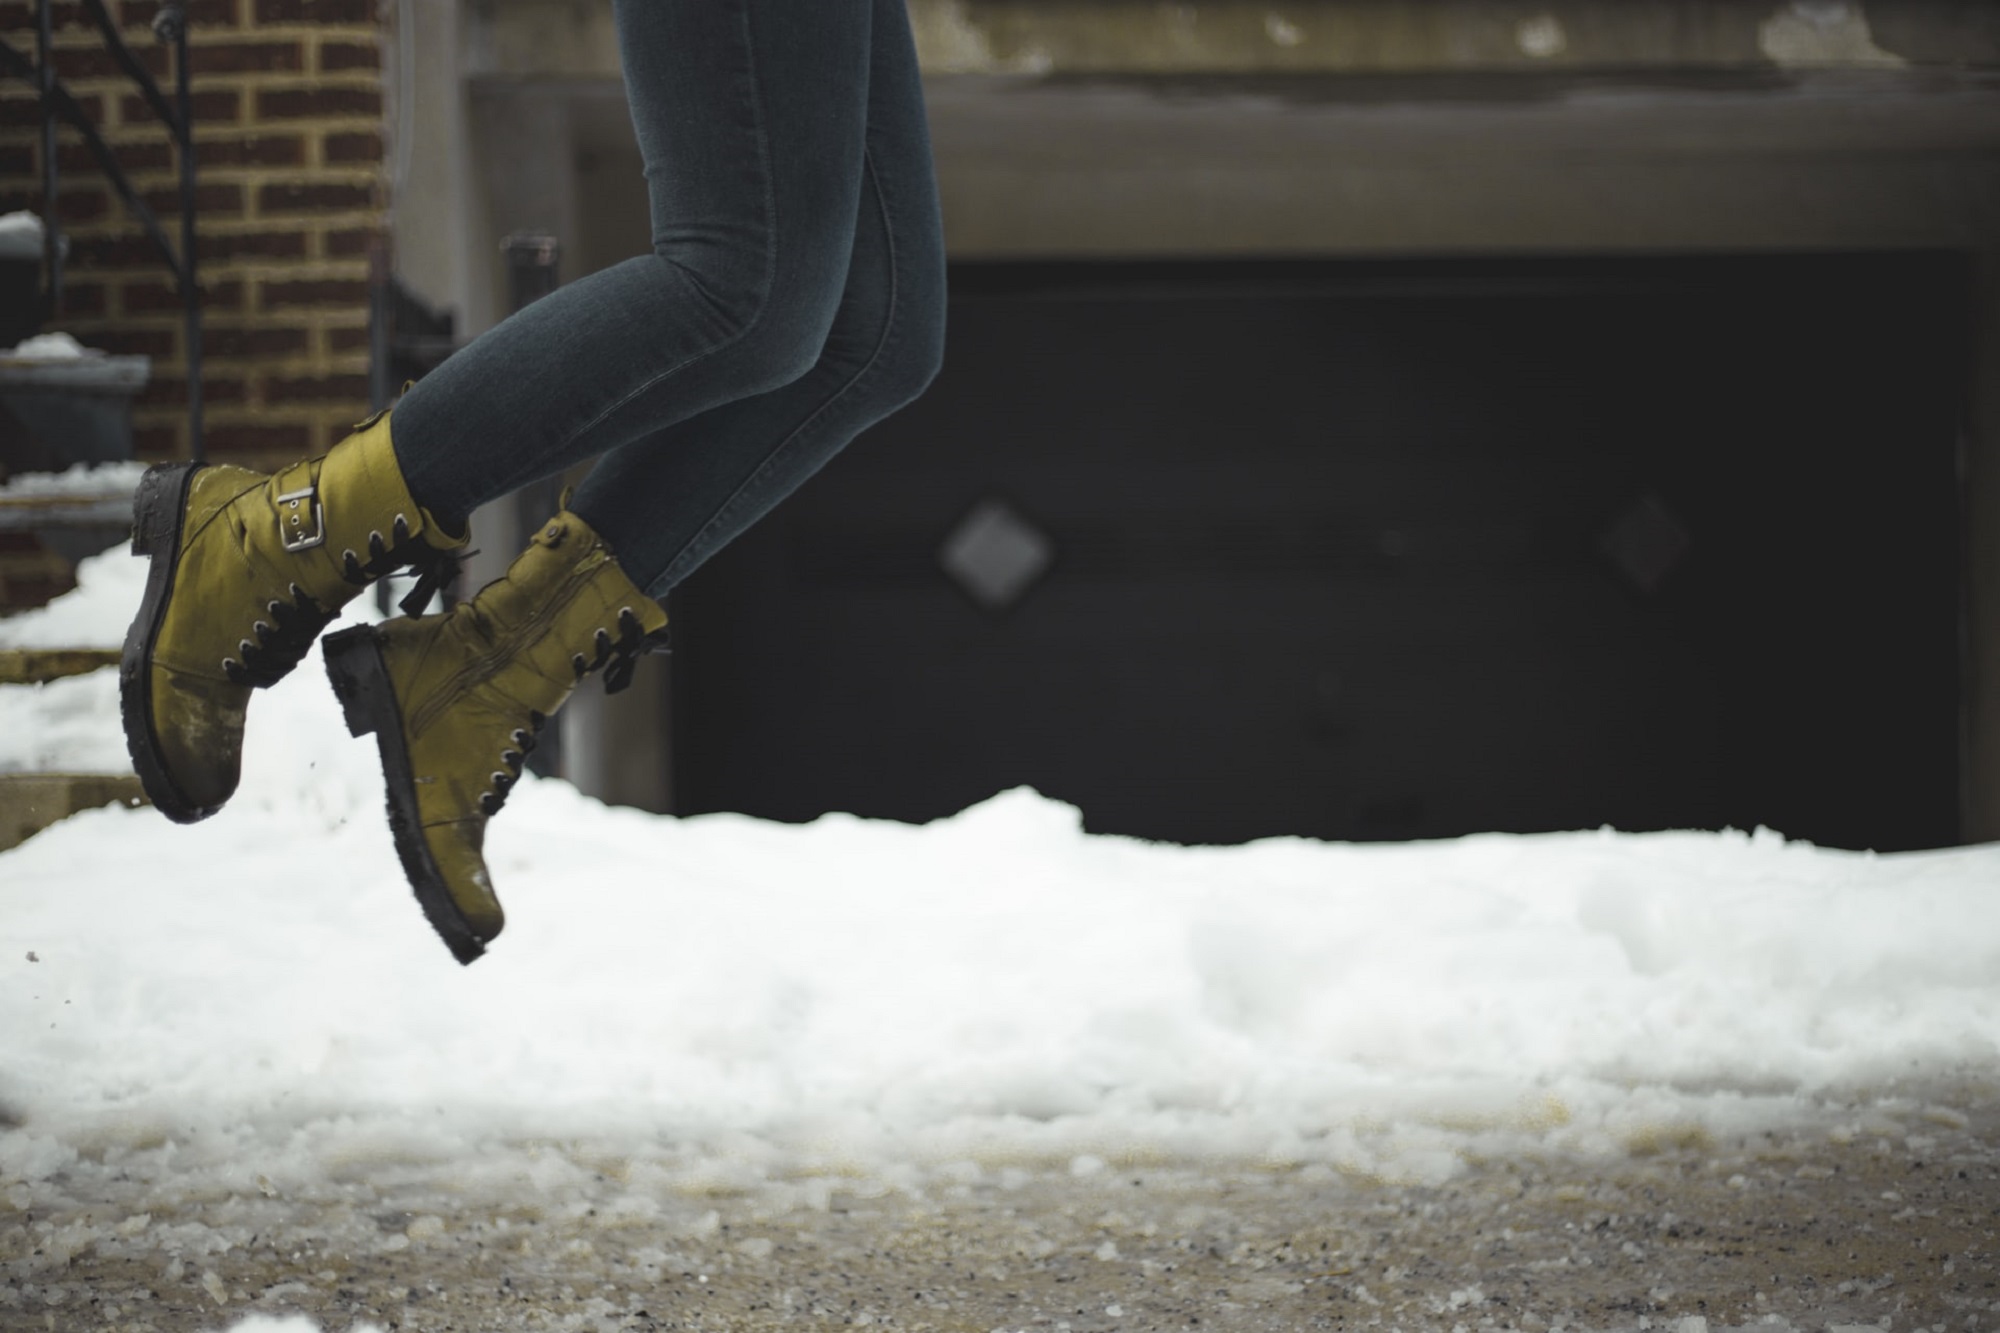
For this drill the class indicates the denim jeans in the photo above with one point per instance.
(794, 294)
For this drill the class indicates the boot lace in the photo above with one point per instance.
(277, 643)
(521, 744)
(619, 656)
(435, 569)
(281, 636)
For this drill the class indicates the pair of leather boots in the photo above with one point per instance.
(247, 569)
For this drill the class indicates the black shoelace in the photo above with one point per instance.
(279, 642)
(522, 744)
(619, 656)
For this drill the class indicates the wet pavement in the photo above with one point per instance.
(1882, 1212)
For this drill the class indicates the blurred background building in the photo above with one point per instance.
(1360, 419)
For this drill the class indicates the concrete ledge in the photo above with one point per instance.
(30, 802)
(29, 513)
(32, 666)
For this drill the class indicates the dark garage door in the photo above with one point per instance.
(1373, 551)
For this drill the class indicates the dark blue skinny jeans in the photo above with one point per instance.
(794, 295)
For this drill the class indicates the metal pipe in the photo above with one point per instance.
(183, 132)
(52, 246)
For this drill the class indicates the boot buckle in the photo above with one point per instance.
(293, 509)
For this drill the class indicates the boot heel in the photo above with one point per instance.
(156, 508)
(354, 665)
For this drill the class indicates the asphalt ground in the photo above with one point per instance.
(1883, 1211)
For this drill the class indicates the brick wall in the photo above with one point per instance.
(288, 109)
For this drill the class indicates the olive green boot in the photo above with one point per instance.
(454, 702)
(246, 570)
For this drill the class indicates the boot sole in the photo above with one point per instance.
(158, 510)
(361, 682)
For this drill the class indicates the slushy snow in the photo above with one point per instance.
(255, 1004)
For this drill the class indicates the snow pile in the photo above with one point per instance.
(20, 235)
(95, 613)
(255, 1004)
(63, 726)
(83, 480)
(50, 347)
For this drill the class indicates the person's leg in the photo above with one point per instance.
(455, 700)
(667, 502)
(750, 116)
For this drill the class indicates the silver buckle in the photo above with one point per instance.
(293, 507)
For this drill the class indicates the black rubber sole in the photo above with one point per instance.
(158, 509)
(367, 700)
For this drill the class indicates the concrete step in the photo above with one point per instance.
(30, 802)
(58, 411)
(110, 508)
(32, 666)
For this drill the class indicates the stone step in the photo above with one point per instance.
(32, 666)
(30, 802)
(33, 513)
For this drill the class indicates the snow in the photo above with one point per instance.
(49, 347)
(60, 726)
(20, 235)
(95, 614)
(82, 480)
(254, 1004)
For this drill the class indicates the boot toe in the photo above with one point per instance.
(187, 744)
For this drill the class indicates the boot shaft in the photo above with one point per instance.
(564, 609)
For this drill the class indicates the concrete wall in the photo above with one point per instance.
(1413, 127)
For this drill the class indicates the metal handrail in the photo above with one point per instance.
(170, 26)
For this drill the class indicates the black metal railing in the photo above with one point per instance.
(170, 27)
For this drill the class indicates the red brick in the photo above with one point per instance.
(123, 250)
(317, 197)
(202, 14)
(156, 441)
(171, 391)
(252, 150)
(315, 292)
(316, 389)
(252, 342)
(86, 205)
(291, 439)
(17, 161)
(351, 242)
(209, 105)
(157, 343)
(128, 250)
(315, 11)
(347, 340)
(133, 157)
(246, 57)
(142, 297)
(366, 147)
(313, 103)
(26, 112)
(19, 16)
(211, 199)
(93, 62)
(84, 299)
(337, 56)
